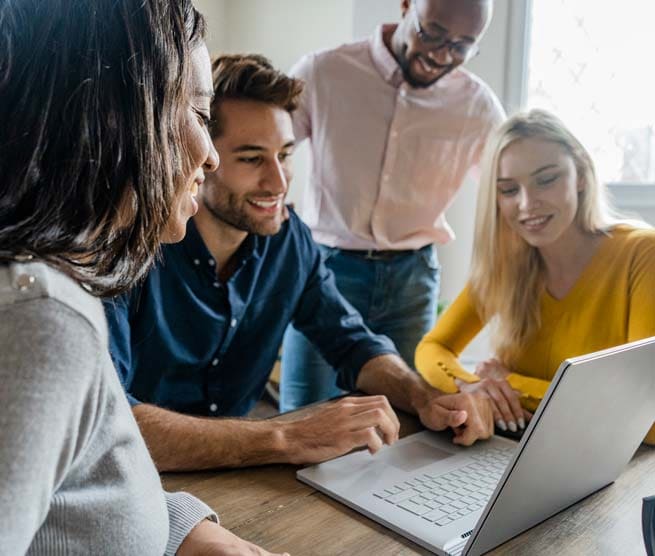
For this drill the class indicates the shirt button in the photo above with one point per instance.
(385, 177)
(216, 284)
(394, 134)
(214, 362)
(403, 93)
(233, 323)
(211, 262)
(213, 408)
(25, 282)
(196, 262)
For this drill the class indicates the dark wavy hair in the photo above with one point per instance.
(250, 77)
(91, 96)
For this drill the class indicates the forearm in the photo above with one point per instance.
(440, 367)
(437, 354)
(182, 443)
(388, 375)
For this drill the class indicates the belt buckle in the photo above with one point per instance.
(373, 255)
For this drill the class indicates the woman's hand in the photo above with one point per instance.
(492, 368)
(210, 539)
(506, 403)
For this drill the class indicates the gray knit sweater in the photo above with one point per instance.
(75, 474)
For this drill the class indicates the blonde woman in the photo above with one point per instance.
(555, 272)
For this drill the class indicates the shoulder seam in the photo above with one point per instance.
(45, 297)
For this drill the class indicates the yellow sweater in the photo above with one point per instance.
(613, 302)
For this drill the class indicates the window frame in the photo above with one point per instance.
(628, 196)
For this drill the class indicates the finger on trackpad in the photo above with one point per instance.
(413, 455)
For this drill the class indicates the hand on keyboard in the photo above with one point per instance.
(470, 415)
(336, 428)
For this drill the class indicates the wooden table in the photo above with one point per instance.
(269, 507)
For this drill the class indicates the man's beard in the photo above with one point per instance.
(405, 64)
(230, 214)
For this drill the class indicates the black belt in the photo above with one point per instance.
(375, 255)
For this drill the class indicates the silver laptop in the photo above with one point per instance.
(454, 500)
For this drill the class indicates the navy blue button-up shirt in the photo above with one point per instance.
(185, 341)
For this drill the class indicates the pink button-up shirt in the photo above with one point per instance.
(387, 159)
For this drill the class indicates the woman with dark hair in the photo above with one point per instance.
(103, 144)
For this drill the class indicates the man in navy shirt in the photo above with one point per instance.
(199, 336)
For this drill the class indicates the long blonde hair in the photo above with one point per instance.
(508, 275)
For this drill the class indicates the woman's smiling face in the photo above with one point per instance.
(201, 155)
(537, 190)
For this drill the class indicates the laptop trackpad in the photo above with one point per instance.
(413, 455)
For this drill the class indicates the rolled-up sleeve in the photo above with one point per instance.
(333, 325)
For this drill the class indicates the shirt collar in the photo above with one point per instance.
(383, 60)
(195, 247)
(250, 248)
(199, 255)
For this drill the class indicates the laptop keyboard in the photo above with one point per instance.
(442, 498)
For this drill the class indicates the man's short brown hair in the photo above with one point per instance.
(251, 77)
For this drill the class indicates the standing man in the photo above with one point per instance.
(395, 126)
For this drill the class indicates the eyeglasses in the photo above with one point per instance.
(459, 50)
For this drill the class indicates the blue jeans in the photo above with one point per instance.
(396, 297)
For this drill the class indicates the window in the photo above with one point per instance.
(589, 62)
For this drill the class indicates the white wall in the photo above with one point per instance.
(215, 11)
(282, 30)
(368, 14)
